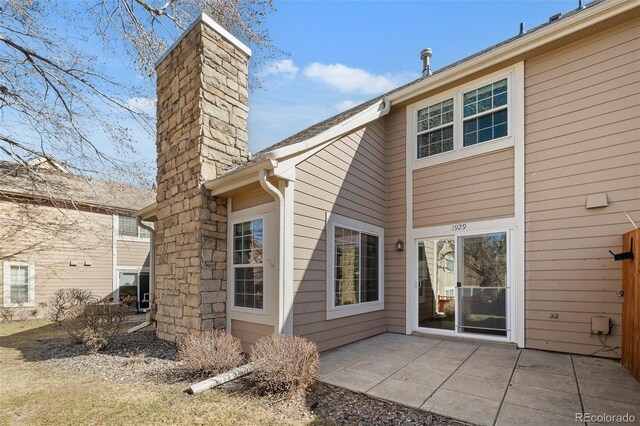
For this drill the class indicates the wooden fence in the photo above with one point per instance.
(631, 305)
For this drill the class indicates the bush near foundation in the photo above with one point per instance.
(210, 352)
(68, 303)
(284, 363)
(94, 324)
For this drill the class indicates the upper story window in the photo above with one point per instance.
(128, 228)
(485, 113)
(248, 267)
(462, 119)
(435, 129)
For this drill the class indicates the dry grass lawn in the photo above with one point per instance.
(33, 392)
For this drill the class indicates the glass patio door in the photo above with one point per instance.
(463, 283)
(482, 284)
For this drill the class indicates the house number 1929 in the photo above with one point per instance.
(459, 227)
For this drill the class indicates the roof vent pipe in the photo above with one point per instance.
(580, 5)
(522, 30)
(425, 55)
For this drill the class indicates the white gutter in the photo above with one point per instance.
(543, 36)
(279, 198)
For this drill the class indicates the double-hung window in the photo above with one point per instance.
(248, 268)
(435, 129)
(485, 113)
(466, 117)
(128, 228)
(355, 276)
(19, 288)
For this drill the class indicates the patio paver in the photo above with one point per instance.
(482, 383)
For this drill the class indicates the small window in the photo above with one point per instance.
(355, 270)
(435, 129)
(19, 284)
(248, 269)
(128, 228)
(485, 113)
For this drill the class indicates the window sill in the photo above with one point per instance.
(134, 239)
(465, 152)
(361, 308)
(248, 310)
(17, 305)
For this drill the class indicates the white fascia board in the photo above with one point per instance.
(146, 213)
(242, 177)
(539, 38)
(206, 19)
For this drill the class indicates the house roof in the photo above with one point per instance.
(324, 125)
(54, 184)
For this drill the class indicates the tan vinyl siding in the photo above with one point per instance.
(133, 253)
(395, 262)
(249, 332)
(582, 137)
(250, 197)
(346, 178)
(55, 242)
(467, 190)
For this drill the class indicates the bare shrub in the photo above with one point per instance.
(8, 313)
(284, 363)
(210, 352)
(96, 323)
(68, 303)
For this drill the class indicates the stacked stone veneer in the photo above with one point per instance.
(201, 130)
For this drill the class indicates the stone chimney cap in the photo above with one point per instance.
(206, 19)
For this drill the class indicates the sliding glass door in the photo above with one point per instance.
(463, 283)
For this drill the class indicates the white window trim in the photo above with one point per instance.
(333, 311)
(459, 151)
(233, 267)
(116, 226)
(7, 284)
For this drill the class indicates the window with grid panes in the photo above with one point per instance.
(248, 269)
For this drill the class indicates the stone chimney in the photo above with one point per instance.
(201, 131)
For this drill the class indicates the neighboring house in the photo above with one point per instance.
(60, 230)
(478, 201)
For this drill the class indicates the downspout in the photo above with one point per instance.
(278, 197)
(152, 277)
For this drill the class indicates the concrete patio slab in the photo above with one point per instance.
(476, 386)
(558, 402)
(546, 362)
(463, 407)
(416, 374)
(402, 392)
(511, 415)
(549, 381)
(357, 381)
(482, 383)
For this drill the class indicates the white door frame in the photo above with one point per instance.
(516, 285)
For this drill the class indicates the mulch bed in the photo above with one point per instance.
(142, 357)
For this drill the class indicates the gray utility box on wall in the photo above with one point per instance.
(600, 325)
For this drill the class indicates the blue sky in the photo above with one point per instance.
(343, 53)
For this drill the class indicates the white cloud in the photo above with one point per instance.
(355, 80)
(346, 104)
(284, 67)
(141, 104)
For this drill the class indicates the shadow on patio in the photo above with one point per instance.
(482, 383)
